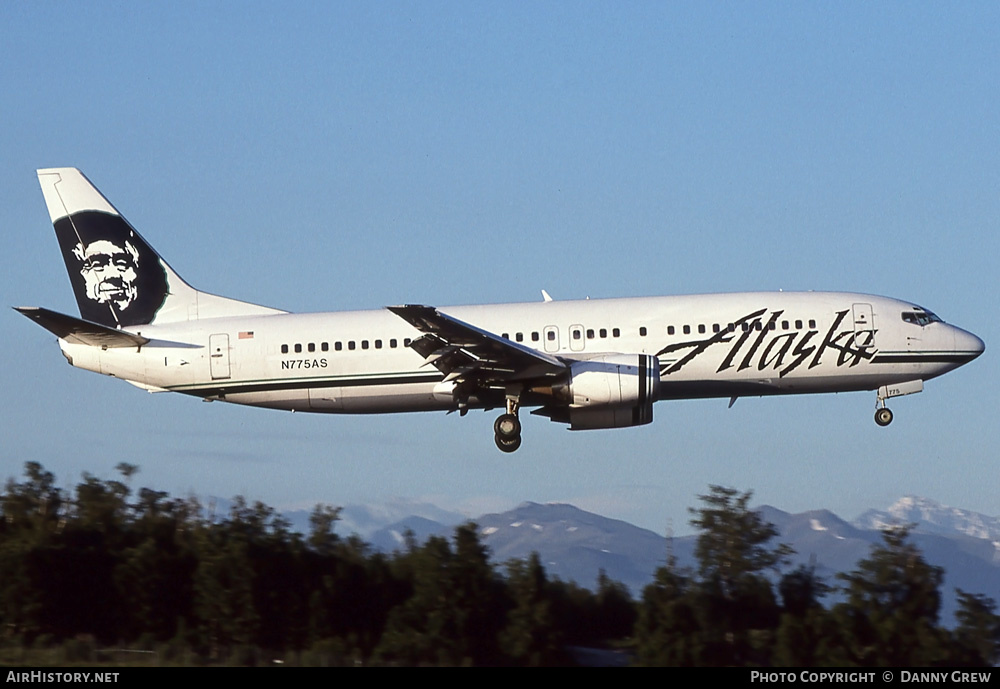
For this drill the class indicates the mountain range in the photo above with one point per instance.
(577, 545)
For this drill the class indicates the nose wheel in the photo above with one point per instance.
(507, 429)
(883, 416)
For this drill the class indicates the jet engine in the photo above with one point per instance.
(609, 391)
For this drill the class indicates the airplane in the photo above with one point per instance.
(591, 364)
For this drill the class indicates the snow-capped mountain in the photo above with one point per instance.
(576, 545)
(932, 517)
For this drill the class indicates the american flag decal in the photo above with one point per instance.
(246, 334)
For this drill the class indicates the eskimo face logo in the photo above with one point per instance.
(109, 272)
(117, 278)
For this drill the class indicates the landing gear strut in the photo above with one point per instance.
(883, 417)
(507, 428)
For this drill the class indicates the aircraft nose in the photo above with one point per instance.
(968, 344)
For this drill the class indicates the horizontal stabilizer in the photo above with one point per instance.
(79, 331)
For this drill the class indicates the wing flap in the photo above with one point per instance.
(465, 353)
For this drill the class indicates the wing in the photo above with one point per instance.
(474, 358)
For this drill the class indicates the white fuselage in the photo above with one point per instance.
(713, 345)
(591, 364)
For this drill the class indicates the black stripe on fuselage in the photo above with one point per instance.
(928, 358)
(223, 388)
(217, 389)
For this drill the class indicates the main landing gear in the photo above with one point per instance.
(507, 428)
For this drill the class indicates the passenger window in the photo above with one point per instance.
(284, 349)
(715, 327)
(378, 344)
(312, 347)
(701, 329)
(642, 331)
(534, 336)
(687, 329)
(407, 341)
(338, 346)
(298, 349)
(551, 336)
(577, 334)
(364, 344)
(798, 325)
(590, 333)
(519, 337)
(671, 330)
(351, 345)
(325, 346)
(615, 332)
(812, 323)
(392, 343)
(784, 325)
(604, 332)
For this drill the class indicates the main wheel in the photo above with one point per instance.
(883, 416)
(507, 444)
(507, 426)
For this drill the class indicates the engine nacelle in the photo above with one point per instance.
(612, 391)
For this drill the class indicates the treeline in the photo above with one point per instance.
(105, 566)
(729, 613)
(141, 569)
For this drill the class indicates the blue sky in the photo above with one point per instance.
(348, 155)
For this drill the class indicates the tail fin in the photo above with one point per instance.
(118, 278)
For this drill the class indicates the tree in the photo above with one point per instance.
(31, 518)
(420, 630)
(34, 504)
(476, 597)
(616, 612)
(733, 543)
(978, 633)
(893, 598)
(667, 631)
(726, 614)
(531, 636)
(456, 611)
(322, 519)
(736, 606)
(805, 624)
(223, 592)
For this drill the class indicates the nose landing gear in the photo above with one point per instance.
(883, 416)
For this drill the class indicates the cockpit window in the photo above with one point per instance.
(921, 317)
